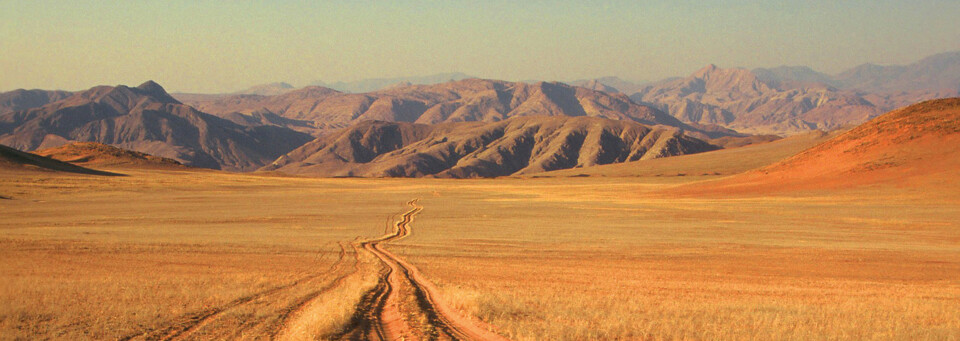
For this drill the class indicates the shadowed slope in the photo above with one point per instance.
(919, 145)
(520, 145)
(147, 119)
(21, 99)
(713, 163)
(15, 160)
(93, 154)
(458, 101)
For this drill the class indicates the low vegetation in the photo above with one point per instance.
(181, 254)
(608, 267)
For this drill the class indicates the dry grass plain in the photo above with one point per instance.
(170, 254)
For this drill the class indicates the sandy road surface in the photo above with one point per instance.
(383, 312)
(379, 315)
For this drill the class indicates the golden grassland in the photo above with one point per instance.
(577, 259)
(554, 258)
(722, 162)
(113, 257)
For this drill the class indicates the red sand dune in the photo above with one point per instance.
(917, 145)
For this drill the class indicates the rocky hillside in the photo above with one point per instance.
(887, 87)
(738, 99)
(521, 145)
(792, 99)
(27, 99)
(147, 119)
(324, 110)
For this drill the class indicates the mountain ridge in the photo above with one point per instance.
(268, 89)
(22, 99)
(465, 100)
(376, 84)
(738, 99)
(147, 119)
(520, 145)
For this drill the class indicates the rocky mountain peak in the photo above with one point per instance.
(152, 89)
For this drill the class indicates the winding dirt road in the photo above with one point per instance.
(380, 315)
(402, 306)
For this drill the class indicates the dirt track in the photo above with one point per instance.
(217, 322)
(380, 315)
(402, 306)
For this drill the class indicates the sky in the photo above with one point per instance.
(224, 46)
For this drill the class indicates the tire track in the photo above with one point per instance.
(378, 316)
(282, 323)
(183, 326)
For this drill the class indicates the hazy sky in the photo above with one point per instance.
(222, 46)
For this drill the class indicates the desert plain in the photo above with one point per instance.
(199, 254)
(479, 171)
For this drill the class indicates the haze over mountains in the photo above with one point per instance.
(739, 100)
(147, 119)
(792, 99)
(319, 110)
(269, 89)
(374, 84)
(610, 84)
(915, 145)
(468, 127)
(937, 72)
(25, 99)
(933, 73)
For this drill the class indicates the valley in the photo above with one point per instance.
(145, 249)
(729, 204)
(479, 170)
(269, 257)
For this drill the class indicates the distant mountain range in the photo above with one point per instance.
(250, 131)
(374, 84)
(25, 99)
(787, 99)
(739, 100)
(917, 145)
(609, 84)
(468, 127)
(270, 89)
(319, 110)
(793, 99)
(148, 120)
(935, 73)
